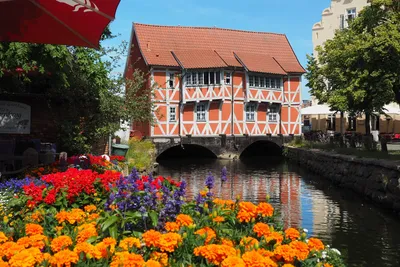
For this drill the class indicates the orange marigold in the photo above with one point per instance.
(253, 258)
(127, 259)
(152, 263)
(60, 243)
(88, 249)
(161, 257)
(9, 249)
(33, 229)
(227, 242)
(169, 241)
(208, 233)
(301, 249)
(27, 257)
(184, 220)
(86, 231)
(274, 236)
(64, 258)
(129, 242)
(265, 209)
(93, 216)
(288, 265)
(249, 242)
(292, 233)
(328, 265)
(265, 253)
(315, 244)
(24, 241)
(90, 208)
(72, 217)
(233, 261)
(219, 219)
(285, 252)
(215, 253)
(36, 216)
(224, 203)
(38, 241)
(247, 211)
(172, 226)
(3, 238)
(261, 229)
(151, 238)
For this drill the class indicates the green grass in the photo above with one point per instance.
(140, 154)
(357, 152)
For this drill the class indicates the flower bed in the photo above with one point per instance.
(87, 218)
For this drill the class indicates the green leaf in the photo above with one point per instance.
(154, 218)
(110, 221)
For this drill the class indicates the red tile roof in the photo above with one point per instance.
(157, 42)
(260, 63)
(199, 59)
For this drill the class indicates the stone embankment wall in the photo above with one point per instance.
(378, 180)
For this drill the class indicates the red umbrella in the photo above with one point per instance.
(69, 22)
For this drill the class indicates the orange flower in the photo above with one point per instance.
(301, 249)
(129, 242)
(247, 211)
(93, 217)
(265, 253)
(285, 252)
(227, 242)
(233, 261)
(253, 258)
(88, 249)
(184, 220)
(86, 231)
(215, 253)
(64, 258)
(292, 233)
(27, 257)
(152, 263)
(208, 233)
(151, 238)
(288, 265)
(9, 249)
(60, 243)
(274, 236)
(224, 203)
(169, 241)
(265, 209)
(90, 208)
(3, 237)
(218, 219)
(328, 265)
(127, 259)
(72, 217)
(38, 241)
(249, 242)
(315, 244)
(160, 257)
(172, 226)
(24, 241)
(36, 216)
(33, 229)
(261, 229)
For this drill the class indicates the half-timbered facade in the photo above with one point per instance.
(212, 81)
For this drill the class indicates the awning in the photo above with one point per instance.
(317, 110)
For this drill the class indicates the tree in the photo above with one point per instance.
(358, 71)
(79, 86)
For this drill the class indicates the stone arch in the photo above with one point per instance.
(262, 148)
(186, 151)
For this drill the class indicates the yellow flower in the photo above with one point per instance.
(129, 242)
(90, 208)
(3, 237)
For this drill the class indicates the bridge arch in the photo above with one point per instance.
(262, 148)
(186, 151)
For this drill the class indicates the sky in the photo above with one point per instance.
(294, 18)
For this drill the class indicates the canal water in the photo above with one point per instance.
(365, 234)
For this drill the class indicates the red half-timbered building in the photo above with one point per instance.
(213, 81)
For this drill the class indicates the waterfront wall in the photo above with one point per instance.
(378, 180)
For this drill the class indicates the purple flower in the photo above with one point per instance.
(224, 172)
(209, 181)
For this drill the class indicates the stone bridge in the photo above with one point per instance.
(224, 147)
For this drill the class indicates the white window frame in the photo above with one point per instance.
(273, 113)
(251, 112)
(196, 78)
(201, 112)
(172, 114)
(265, 82)
(251, 80)
(351, 13)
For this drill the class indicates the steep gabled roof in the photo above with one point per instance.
(176, 45)
(260, 63)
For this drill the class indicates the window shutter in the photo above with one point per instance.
(342, 22)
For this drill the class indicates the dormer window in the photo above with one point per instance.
(203, 78)
(265, 82)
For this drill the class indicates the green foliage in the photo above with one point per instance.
(358, 71)
(88, 101)
(140, 154)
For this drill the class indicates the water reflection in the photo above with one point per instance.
(366, 235)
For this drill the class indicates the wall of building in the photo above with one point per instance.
(225, 105)
(375, 179)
